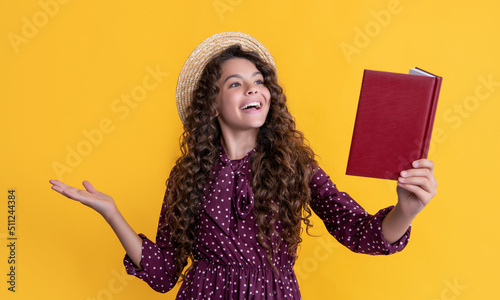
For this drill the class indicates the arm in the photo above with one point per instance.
(348, 222)
(157, 265)
(129, 239)
(151, 262)
(416, 188)
(105, 206)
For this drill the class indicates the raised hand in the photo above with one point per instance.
(100, 202)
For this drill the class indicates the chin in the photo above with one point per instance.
(258, 125)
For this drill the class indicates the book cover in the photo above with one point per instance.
(393, 123)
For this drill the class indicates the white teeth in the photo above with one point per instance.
(256, 104)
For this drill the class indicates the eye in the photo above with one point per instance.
(259, 81)
(234, 84)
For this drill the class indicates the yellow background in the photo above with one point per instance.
(65, 65)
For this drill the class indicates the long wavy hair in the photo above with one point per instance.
(282, 166)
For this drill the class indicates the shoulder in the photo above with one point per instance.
(321, 185)
(318, 176)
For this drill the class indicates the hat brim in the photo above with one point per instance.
(193, 67)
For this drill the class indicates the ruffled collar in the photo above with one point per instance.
(228, 196)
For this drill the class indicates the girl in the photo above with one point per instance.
(244, 184)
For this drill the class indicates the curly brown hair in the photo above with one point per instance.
(282, 165)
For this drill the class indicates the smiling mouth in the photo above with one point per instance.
(255, 105)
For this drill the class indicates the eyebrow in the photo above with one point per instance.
(239, 76)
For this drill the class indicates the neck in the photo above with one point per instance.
(238, 145)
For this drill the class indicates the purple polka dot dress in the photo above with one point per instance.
(229, 262)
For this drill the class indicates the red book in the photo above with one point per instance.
(393, 123)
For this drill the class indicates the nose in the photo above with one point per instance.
(252, 90)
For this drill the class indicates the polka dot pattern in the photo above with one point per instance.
(229, 262)
(348, 222)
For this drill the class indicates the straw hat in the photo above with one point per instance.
(201, 55)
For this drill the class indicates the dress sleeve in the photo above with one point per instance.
(348, 222)
(157, 261)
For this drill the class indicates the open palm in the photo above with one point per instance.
(100, 202)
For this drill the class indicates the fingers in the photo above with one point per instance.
(417, 190)
(420, 179)
(57, 183)
(89, 196)
(416, 173)
(417, 183)
(59, 186)
(69, 191)
(421, 168)
(424, 163)
(89, 187)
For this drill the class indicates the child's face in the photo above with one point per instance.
(243, 100)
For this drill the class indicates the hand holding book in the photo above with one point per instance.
(416, 188)
(391, 140)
